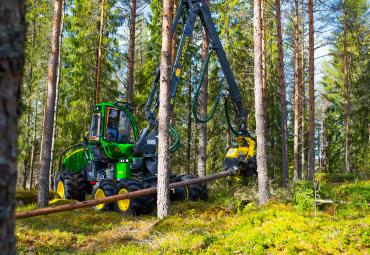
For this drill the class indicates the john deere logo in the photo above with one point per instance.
(116, 149)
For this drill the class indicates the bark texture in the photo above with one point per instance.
(164, 114)
(296, 94)
(47, 132)
(131, 53)
(303, 102)
(346, 93)
(99, 55)
(202, 145)
(311, 131)
(283, 116)
(12, 35)
(263, 189)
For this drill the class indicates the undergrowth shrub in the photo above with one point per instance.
(303, 195)
(26, 197)
(334, 178)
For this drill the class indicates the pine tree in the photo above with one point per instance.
(311, 130)
(47, 133)
(164, 114)
(283, 114)
(263, 189)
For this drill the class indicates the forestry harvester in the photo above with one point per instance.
(115, 158)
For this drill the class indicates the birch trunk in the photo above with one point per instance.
(263, 189)
(296, 94)
(12, 37)
(189, 123)
(47, 132)
(303, 103)
(164, 114)
(202, 145)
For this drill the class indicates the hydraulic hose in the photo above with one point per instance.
(222, 94)
(176, 144)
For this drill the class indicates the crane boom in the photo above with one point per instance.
(188, 11)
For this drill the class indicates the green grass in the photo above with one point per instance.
(224, 225)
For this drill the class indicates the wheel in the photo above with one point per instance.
(102, 189)
(134, 206)
(179, 194)
(195, 191)
(71, 185)
(64, 185)
(82, 186)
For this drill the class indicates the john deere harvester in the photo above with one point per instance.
(115, 158)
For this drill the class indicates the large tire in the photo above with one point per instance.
(102, 189)
(71, 185)
(135, 206)
(82, 186)
(65, 187)
(195, 191)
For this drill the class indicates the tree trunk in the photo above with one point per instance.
(12, 36)
(174, 39)
(303, 103)
(131, 54)
(51, 171)
(202, 145)
(283, 116)
(263, 189)
(311, 131)
(263, 43)
(346, 93)
(188, 152)
(47, 132)
(33, 149)
(99, 56)
(164, 114)
(296, 94)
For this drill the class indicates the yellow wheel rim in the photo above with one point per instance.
(123, 205)
(99, 194)
(60, 189)
(186, 192)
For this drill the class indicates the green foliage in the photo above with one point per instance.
(325, 178)
(304, 195)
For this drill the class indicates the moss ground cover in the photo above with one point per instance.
(224, 225)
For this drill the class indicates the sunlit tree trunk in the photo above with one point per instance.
(12, 37)
(33, 148)
(47, 132)
(189, 122)
(99, 55)
(164, 114)
(263, 189)
(346, 92)
(303, 101)
(131, 53)
(283, 116)
(202, 145)
(296, 94)
(311, 131)
(51, 175)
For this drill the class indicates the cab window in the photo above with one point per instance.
(95, 127)
(119, 127)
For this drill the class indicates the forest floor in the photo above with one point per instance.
(229, 223)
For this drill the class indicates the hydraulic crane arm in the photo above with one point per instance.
(188, 11)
